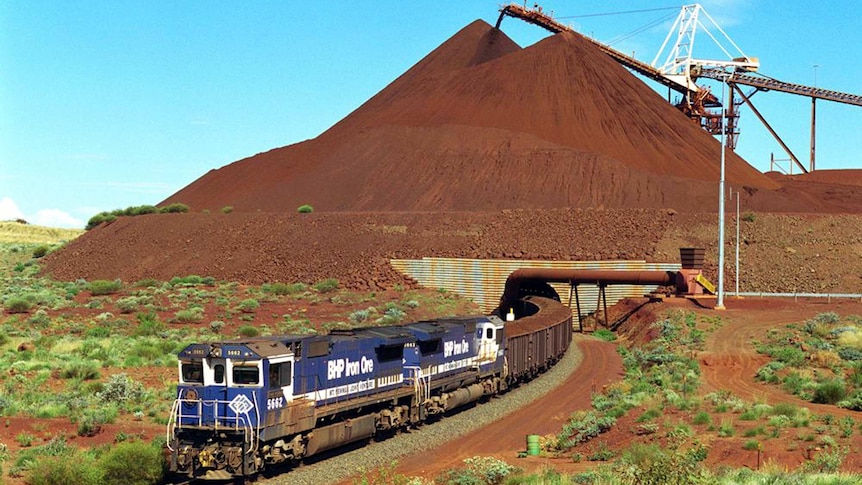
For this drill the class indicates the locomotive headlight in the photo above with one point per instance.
(215, 352)
(191, 395)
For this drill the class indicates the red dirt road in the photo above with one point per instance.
(731, 361)
(599, 366)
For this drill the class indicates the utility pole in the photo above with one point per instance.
(719, 303)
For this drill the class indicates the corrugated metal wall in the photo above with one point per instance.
(483, 280)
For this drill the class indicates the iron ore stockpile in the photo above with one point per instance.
(482, 149)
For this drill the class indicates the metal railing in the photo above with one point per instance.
(195, 412)
(828, 296)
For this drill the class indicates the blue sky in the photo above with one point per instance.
(109, 104)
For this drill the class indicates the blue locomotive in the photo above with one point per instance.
(243, 405)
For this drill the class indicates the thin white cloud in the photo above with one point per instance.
(57, 218)
(46, 217)
(727, 13)
(9, 210)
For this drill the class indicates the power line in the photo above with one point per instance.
(619, 13)
(643, 28)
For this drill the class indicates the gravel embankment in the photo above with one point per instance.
(343, 466)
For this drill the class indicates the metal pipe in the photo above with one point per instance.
(523, 276)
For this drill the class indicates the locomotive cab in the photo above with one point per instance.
(227, 392)
(489, 339)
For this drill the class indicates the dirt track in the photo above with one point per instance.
(730, 361)
(600, 365)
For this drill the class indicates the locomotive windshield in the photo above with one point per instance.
(192, 372)
(246, 374)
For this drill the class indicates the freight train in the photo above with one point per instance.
(245, 405)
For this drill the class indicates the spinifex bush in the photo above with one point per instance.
(174, 208)
(104, 287)
(326, 286)
(189, 315)
(133, 463)
(18, 305)
(284, 288)
(248, 306)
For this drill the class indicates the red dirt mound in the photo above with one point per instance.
(482, 124)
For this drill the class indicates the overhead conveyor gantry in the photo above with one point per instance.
(681, 70)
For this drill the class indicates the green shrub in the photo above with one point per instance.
(605, 334)
(248, 331)
(829, 392)
(81, 369)
(189, 315)
(25, 439)
(192, 280)
(132, 463)
(394, 314)
(583, 426)
(603, 453)
(480, 470)
(702, 418)
(789, 355)
(648, 415)
(40, 251)
(216, 326)
(79, 469)
(326, 286)
(127, 305)
(141, 210)
(827, 461)
(120, 389)
(227, 209)
(28, 459)
(305, 209)
(174, 208)
(18, 305)
(850, 353)
(284, 288)
(651, 465)
(749, 216)
(147, 283)
(751, 445)
(726, 429)
(148, 325)
(104, 287)
(248, 306)
(99, 219)
(359, 316)
(854, 401)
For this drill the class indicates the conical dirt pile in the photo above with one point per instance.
(482, 124)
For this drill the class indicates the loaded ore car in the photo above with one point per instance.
(246, 404)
